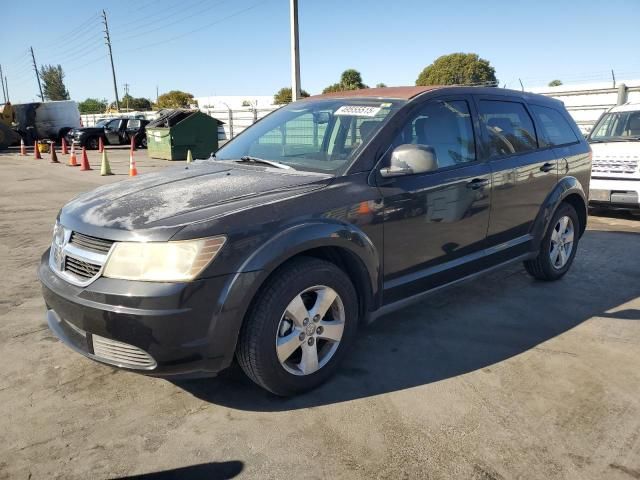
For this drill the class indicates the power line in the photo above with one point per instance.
(144, 19)
(208, 25)
(87, 64)
(161, 27)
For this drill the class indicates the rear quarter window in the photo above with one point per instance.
(556, 130)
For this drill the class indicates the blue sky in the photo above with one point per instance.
(241, 47)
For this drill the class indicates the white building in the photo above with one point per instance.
(235, 102)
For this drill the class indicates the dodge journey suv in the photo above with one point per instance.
(320, 217)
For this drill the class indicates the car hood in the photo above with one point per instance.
(156, 205)
(616, 150)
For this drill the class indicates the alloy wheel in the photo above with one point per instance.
(310, 330)
(561, 242)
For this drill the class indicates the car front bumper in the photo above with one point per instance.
(614, 193)
(160, 329)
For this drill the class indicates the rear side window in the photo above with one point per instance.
(555, 128)
(133, 124)
(509, 128)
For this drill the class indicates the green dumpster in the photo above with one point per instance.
(176, 131)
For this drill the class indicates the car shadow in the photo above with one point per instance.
(203, 471)
(460, 330)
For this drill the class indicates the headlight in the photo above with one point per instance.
(162, 261)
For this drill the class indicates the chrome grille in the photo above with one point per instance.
(81, 269)
(90, 243)
(121, 354)
(626, 166)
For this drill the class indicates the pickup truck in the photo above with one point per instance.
(113, 131)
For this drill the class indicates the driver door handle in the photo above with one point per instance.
(478, 183)
(547, 167)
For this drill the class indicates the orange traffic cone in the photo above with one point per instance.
(133, 171)
(100, 145)
(54, 155)
(36, 152)
(84, 163)
(23, 149)
(65, 149)
(73, 161)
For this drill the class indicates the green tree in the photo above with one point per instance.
(555, 83)
(52, 83)
(458, 69)
(350, 79)
(381, 85)
(175, 99)
(140, 104)
(283, 96)
(93, 105)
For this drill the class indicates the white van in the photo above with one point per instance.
(46, 120)
(615, 173)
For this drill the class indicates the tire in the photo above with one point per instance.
(269, 322)
(92, 143)
(143, 142)
(550, 265)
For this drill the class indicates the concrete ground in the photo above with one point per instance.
(500, 378)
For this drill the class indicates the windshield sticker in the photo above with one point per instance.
(385, 105)
(357, 111)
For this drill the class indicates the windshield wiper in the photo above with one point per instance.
(250, 159)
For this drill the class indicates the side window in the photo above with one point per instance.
(555, 128)
(133, 124)
(447, 127)
(113, 124)
(509, 128)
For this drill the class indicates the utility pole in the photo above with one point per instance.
(4, 93)
(35, 69)
(295, 53)
(156, 94)
(113, 69)
(6, 85)
(126, 94)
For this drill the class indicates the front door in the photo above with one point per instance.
(436, 223)
(112, 131)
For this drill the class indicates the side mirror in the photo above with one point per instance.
(410, 159)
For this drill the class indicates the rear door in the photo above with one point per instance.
(523, 173)
(436, 222)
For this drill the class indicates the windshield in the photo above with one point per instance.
(101, 123)
(317, 135)
(617, 126)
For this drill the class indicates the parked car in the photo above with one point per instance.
(320, 217)
(615, 177)
(113, 131)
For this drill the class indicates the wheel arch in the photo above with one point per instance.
(569, 190)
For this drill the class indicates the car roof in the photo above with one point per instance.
(627, 107)
(410, 93)
(401, 93)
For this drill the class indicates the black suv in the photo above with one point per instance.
(323, 215)
(113, 131)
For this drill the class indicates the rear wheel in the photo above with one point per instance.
(558, 247)
(299, 327)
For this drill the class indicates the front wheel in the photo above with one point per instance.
(558, 247)
(299, 327)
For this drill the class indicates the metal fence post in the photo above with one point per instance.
(622, 94)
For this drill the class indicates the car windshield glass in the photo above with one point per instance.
(617, 126)
(102, 123)
(321, 135)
